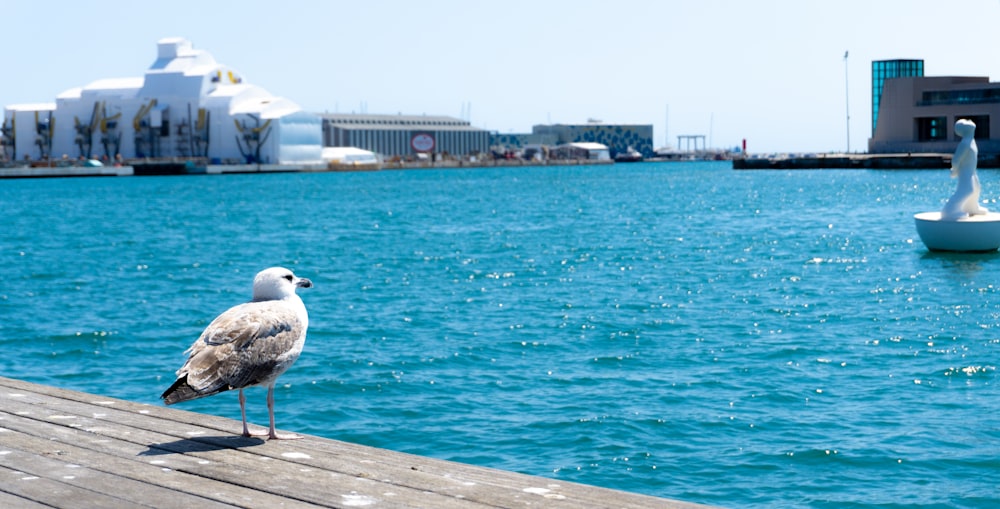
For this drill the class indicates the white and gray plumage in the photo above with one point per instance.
(250, 344)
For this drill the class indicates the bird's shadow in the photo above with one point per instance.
(202, 444)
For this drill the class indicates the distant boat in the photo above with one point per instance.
(630, 155)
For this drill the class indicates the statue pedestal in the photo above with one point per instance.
(973, 234)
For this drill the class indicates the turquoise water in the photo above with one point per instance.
(745, 339)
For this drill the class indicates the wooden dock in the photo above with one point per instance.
(62, 448)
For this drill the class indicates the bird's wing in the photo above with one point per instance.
(241, 346)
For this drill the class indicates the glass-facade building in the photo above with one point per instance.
(918, 114)
(886, 69)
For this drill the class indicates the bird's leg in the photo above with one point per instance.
(271, 434)
(243, 413)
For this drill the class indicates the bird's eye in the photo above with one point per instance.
(289, 278)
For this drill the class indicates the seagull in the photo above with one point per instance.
(250, 344)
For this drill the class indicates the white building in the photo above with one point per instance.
(186, 106)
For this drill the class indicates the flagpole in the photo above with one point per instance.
(847, 104)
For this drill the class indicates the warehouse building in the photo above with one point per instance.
(404, 136)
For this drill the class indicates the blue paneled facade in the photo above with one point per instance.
(886, 69)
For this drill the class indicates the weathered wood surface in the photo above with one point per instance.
(61, 448)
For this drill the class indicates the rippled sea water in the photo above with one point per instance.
(744, 339)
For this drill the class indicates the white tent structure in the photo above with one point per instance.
(349, 156)
(582, 150)
(186, 106)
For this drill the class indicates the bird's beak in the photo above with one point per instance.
(304, 283)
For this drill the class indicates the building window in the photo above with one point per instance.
(979, 96)
(931, 128)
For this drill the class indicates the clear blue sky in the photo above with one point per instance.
(772, 72)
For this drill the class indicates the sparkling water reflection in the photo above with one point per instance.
(746, 339)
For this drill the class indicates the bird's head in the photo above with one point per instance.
(277, 283)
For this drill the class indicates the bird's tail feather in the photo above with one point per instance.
(181, 391)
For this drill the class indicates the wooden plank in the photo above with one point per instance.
(268, 475)
(9, 501)
(155, 450)
(36, 489)
(92, 479)
(123, 478)
(208, 459)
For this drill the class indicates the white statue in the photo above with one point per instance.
(965, 201)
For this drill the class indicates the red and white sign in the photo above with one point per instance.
(422, 142)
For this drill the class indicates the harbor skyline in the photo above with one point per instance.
(772, 73)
